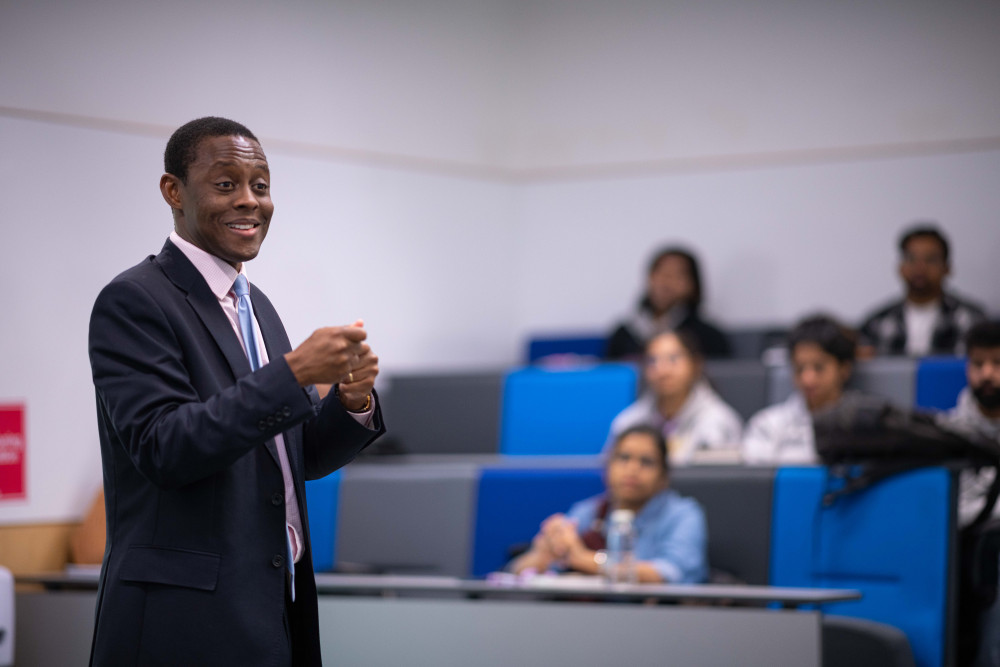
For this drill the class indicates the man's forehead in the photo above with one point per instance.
(926, 244)
(232, 149)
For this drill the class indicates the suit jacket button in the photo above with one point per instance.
(262, 425)
(286, 411)
(278, 561)
(277, 499)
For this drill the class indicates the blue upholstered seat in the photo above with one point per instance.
(512, 504)
(322, 500)
(890, 541)
(563, 411)
(939, 382)
(540, 347)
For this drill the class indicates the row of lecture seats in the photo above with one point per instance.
(567, 410)
(893, 541)
(745, 343)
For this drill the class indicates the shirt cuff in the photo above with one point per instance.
(366, 418)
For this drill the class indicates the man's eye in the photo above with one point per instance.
(262, 187)
(225, 184)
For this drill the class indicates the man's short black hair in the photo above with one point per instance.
(925, 230)
(658, 439)
(984, 335)
(182, 148)
(830, 335)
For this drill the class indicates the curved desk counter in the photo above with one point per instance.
(392, 620)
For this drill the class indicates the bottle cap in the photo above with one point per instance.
(620, 516)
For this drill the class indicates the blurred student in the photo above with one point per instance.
(978, 415)
(672, 302)
(679, 403)
(928, 320)
(822, 353)
(670, 530)
(978, 411)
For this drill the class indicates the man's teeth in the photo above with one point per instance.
(243, 227)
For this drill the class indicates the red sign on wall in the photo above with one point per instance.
(12, 450)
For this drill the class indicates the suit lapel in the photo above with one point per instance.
(186, 277)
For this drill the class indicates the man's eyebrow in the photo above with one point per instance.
(261, 165)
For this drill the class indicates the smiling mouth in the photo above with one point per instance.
(243, 226)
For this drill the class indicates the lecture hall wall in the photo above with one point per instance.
(464, 173)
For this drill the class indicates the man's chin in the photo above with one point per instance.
(921, 291)
(987, 396)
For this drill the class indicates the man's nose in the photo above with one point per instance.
(246, 198)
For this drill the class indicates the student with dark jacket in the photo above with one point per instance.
(671, 302)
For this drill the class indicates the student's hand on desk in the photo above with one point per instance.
(549, 532)
(540, 550)
(561, 535)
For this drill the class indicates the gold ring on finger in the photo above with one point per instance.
(350, 377)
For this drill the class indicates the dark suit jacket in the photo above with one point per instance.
(194, 569)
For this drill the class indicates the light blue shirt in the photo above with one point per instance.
(670, 533)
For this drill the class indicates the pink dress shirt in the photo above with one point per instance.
(220, 276)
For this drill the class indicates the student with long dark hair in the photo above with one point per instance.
(672, 301)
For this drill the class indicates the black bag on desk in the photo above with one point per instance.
(866, 439)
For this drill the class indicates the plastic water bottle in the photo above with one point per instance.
(620, 565)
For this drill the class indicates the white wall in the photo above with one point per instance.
(646, 80)
(423, 79)
(775, 242)
(461, 173)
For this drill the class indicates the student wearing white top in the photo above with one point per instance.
(978, 414)
(822, 353)
(696, 423)
(928, 320)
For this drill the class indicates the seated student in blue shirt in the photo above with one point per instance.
(670, 530)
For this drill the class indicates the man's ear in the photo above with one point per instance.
(171, 188)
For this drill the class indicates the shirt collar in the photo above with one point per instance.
(218, 273)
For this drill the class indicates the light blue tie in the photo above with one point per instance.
(244, 312)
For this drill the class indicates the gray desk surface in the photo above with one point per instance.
(564, 587)
(579, 587)
(55, 628)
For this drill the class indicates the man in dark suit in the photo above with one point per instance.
(209, 427)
